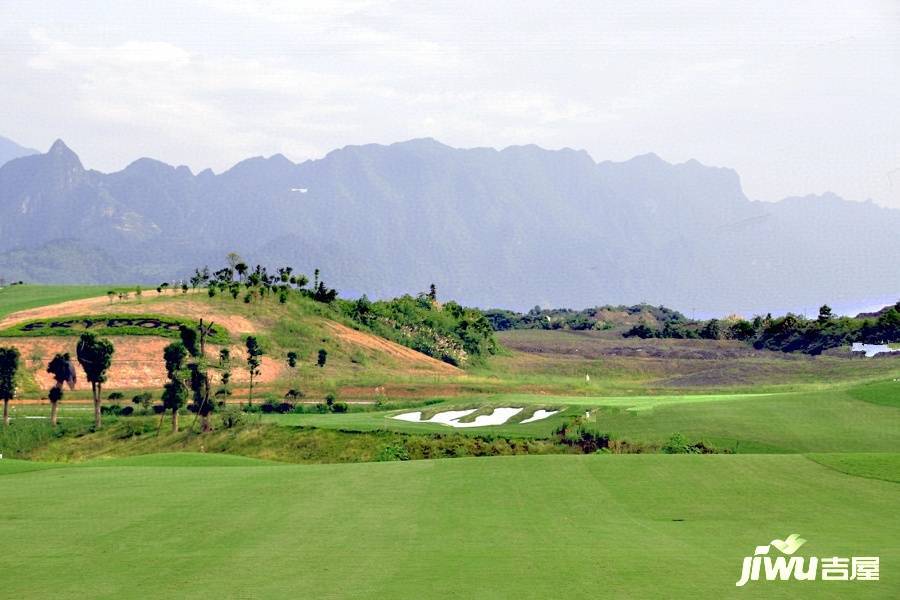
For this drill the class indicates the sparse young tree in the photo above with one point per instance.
(9, 366)
(254, 360)
(234, 259)
(95, 356)
(225, 371)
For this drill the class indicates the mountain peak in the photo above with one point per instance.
(59, 147)
(62, 153)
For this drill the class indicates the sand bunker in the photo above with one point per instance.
(451, 417)
(444, 418)
(540, 414)
(498, 417)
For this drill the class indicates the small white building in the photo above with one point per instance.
(872, 349)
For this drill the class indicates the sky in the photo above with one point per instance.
(799, 97)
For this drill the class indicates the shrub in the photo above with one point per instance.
(126, 411)
(159, 409)
(144, 399)
(284, 408)
(678, 444)
(392, 452)
(339, 407)
(267, 408)
(231, 417)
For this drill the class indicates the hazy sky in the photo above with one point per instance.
(800, 97)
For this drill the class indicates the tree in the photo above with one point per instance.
(174, 392)
(225, 370)
(825, 314)
(95, 356)
(323, 356)
(712, 330)
(199, 380)
(63, 371)
(234, 259)
(173, 397)
(241, 269)
(292, 359)
(9, 365)
(432, 293)
(254, 352)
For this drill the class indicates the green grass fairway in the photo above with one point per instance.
(506, 527)
(22, 297)
(858, 419)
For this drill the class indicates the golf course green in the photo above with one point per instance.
(504, 527)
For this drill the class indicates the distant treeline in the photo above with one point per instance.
(790, 333)
(597, 318)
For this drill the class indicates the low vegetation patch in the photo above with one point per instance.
(106, 325)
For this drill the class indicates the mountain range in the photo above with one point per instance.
(503, 228)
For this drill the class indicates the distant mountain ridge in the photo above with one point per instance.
(10, 150)
(509, 228)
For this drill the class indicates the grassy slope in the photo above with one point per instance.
(520, 527)
(22, 297)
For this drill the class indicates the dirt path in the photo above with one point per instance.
(409, 357)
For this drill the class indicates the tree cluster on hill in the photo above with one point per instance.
(596, 318)
(448, 332)
(790, 333)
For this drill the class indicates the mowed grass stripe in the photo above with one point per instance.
(23, 297)
(524, 527)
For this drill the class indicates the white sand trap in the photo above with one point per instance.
(539, 414)
(414, 417)
(498, 417)
(444, 418)
(451, 417)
